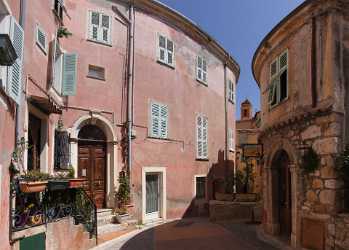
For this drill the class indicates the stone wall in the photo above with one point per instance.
(338, 231)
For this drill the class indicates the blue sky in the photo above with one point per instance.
(239, 26)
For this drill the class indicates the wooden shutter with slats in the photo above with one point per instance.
(69, 74)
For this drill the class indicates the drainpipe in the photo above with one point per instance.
(130, 84)
(313, 63)
(225, 122)
(21, 20)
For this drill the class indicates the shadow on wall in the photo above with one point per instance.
(219, 179)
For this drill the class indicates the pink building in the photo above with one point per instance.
(136, 86)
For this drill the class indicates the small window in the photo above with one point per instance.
(165, 51)
(231, 91)
(202, 137)
(41, 39)
(99, 27)
(96, 72)
(58, 8)
(231, 139)
(158, 120)
(201, 69)
(278, 87)
(61, 150)
(200, 187)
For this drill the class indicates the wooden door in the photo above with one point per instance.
(285, 201)
(152, 195)
(92, 165)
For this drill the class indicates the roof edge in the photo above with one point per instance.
(276, 28)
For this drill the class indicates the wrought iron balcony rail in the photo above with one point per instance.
(38, 208)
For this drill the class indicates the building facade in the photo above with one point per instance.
(247, 132)
(301, 69)
(132, 86)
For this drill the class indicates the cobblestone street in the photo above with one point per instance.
(193, 234)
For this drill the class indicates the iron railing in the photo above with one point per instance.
(35, 209)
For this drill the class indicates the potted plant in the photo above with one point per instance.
(75, 182)
(123, 194)
(33, 181)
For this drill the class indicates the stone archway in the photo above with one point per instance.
(282, 157)
(111, 151)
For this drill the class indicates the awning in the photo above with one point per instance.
(46, 105)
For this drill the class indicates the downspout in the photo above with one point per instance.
(21, 20)
(131, 32)
(225, 123)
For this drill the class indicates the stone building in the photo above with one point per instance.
(247, 132)
(301, 67)
(135, 87)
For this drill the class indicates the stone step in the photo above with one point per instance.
(104, 212)
(106, 219)
(110, 228)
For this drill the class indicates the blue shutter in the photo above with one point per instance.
(69, 74)
(14, 83)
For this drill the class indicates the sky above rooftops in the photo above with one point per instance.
(239, 26)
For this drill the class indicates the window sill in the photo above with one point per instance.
(278, 104)
(158, 138)
(202, 82)
(166, 64)
(99, 42)
(96, 78)
(231, 101)
(202, 159)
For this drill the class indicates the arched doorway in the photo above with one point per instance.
(282, 193)
(92, 162)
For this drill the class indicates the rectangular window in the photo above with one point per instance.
(202, 137)
(158, 120)
(58, 8)
(200, 187)
(278, 87)
(41, 38)
(231, 139)
(61, 150)
(96, 72)
(231, 91)
(99, 27)
(165, 51)
(201, 69)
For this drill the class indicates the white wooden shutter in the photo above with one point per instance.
(14, 84)
(231, 139)
(41, 38)
(155, 119)
(283, 61)
(163, 121)
(69, 74)
(205, 137)
(199, 137)
(274, 68)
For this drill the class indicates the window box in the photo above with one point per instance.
(54, 185)
(32, 186)
(77, 183)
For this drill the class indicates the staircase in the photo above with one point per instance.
(109, 223)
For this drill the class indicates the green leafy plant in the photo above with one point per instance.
(229, 183)
(63, 32)
(123, 194)
(16, 165)
(35, 175)
(310, 161)
(71, 172)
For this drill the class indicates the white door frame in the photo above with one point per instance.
(161, 171)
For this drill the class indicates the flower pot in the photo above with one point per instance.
(54, 185)
(32, 186)
(77, 183)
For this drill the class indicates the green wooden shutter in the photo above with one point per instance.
(69, 74)
(14, 83)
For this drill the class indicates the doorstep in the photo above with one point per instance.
(272, 240)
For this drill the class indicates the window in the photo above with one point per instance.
(58, 8)
(231, 139)
(231, 91)
(165, 51)
(64, 71)
(41, 38)
(200, 187)
(61, 150)
(201, 69)
(158, 120)
(99, 27)
(96, 72)
(278, 87)
(202, 137)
